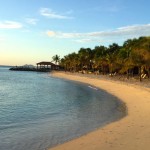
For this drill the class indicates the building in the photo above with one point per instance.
(47, 66)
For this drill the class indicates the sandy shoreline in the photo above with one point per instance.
(130, 133)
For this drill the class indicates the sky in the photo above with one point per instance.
(35, 30)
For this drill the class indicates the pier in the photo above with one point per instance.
(41, 67)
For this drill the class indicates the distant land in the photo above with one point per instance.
(5, 66)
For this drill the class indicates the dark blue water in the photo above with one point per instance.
(38, 111)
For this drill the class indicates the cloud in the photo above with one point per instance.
(118, 33)
(10, 25)
(53, 15)
(86, 40)
(134, 30)
(51, 33)
(55, 34)
(31, 21)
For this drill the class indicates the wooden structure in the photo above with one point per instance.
(47, 66)
(41, 66)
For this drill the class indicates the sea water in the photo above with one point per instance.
(38, 111)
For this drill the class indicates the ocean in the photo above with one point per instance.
(38, 111)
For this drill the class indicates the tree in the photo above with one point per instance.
(123, 58)
(85, 56)
(100, 62)
(135, 53)
(140, 54)
(56, 59)
(111, 56)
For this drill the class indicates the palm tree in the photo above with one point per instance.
(134, 53)
(56, 59)
(111, 56)
(85, 55)
(99, 57)
(140, 54)
(123, 57)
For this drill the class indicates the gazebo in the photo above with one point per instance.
(45, 66)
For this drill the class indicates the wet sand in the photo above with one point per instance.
(130, 133)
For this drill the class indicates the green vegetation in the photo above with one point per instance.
(56, 59)
(130, 59)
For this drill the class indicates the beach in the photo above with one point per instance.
(129, 133)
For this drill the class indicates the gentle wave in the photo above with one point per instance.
(93, 87)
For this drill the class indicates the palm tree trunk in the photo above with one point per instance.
(128, 74)
(148, 72)
(140, 73)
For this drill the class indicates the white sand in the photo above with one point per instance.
(130, 133)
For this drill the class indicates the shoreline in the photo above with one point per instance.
(129, 133)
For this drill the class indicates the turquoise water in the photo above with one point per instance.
(38, 111)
